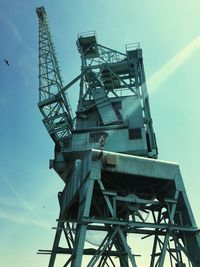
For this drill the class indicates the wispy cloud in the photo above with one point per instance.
(18, 196)
(172, 65)
(9, 202)
(27, 214)
(26, 61)
(44, 192)
(12, 27)
(16, 33)
(23, 219)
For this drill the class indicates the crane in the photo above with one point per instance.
(53, 102)
(107, 157)
(109, 80)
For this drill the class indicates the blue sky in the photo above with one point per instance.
(169, 34)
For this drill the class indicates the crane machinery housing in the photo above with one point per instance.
(107, 157)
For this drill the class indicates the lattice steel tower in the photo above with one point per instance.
(107, 158)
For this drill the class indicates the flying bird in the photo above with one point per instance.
(6, 61)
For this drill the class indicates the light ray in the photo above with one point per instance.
(172, 65)
(168, 69)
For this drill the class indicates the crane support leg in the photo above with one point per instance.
(111, 193)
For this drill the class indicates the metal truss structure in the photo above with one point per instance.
(108, 76)
(153, 206)
(53, 103)
(107, 158)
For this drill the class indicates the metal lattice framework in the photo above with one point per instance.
(122, 195)
(118, 74)
(157, 208)
(53, 104)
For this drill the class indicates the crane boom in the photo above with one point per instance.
(53, 101)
